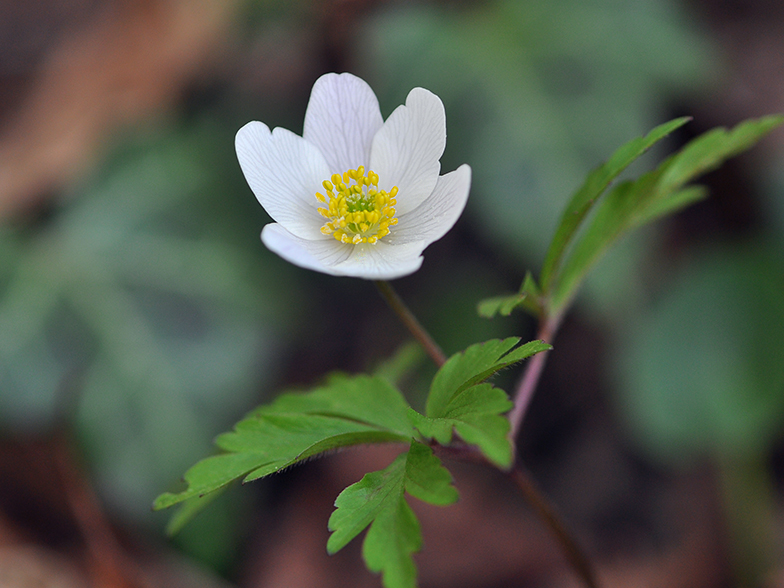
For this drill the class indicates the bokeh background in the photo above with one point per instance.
(140, 315)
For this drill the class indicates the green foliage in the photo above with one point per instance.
(634, 203)
(593, 187)
(528, 298)
(346, 411)
(378, 500)
(537, 91)
(473, 366)
(595, 218)
(138, 318)
(364, 409)
(460, 401)
(703, 371)
(476, 415)
(354, 410)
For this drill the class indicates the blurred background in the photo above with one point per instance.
(140, 315)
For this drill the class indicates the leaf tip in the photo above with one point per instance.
(165, 500)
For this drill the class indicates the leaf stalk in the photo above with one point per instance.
(518, 474)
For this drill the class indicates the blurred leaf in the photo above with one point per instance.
(528, 297)
(346, 411)
(661, 191)
(703, 372)
(536, 91)
(503, 305)
(405, 360)
(189, 509)
(216, 537)
(593, 187)
(378, 500)
(134, 302)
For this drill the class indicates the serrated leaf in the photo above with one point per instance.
(208, 475)
(503, 305)
(378, 501)
(474, 365)
(346, 411)
(393, 536)
(527, 297)
(358, 505)
(459, 402)
(426, 478)
(593, 187)
(661, 191)
(476, 414)
(369, 399)
(189, 509)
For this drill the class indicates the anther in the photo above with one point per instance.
(355, 212)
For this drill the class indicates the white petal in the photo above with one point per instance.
(320, 256)
(407, 148)
(285, 172)
(381, 261)
(435, 216)
(341, 120)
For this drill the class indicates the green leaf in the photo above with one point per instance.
(703, 369)
(378, 501)
(547, 98)
(405, 360)
(460, 402)
(369, 399)
(661, 191)
(476, 414)
(474, 365)
(346, 411)
(593, 187)
(427, 479)
(711, 149)
(527, 297)
(189, 509)
(208, 475)
(503, 305)
(671, 204)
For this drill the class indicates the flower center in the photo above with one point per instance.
(357, 211)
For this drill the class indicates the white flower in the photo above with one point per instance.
(355, 195)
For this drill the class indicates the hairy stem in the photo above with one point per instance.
(525, 389)
(411, 322)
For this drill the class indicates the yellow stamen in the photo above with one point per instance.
(357, 211)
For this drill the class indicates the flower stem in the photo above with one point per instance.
(411, 322)
(533, 495)
(519, 475)
(527, 386)
(545, 509)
